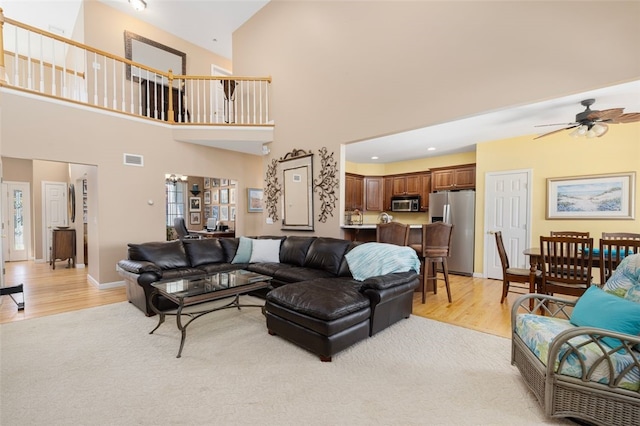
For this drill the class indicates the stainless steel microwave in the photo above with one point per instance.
(405, 203)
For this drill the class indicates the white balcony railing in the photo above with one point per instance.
(39, 62)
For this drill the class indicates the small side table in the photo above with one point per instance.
(63, 247)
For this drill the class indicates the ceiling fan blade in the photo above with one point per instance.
(606, 114)
(556, 131)
(556, 124)
(630, 117)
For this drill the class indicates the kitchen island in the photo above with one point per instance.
(367, 233)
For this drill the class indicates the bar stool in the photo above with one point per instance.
(435, 247)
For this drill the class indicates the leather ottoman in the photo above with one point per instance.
(324, 316)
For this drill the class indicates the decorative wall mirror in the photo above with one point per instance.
(297, 191)
(152, 54)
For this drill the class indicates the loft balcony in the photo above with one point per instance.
(227, 112)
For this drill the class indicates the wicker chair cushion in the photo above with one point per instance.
(537, 332)
(626, 275)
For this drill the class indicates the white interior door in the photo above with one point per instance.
(222, 108)
(55, 212)
(16, 216)
(507, 209)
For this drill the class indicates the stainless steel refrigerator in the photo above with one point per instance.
(457, 208)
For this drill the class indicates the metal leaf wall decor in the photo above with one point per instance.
(326, 184)
(273, 190)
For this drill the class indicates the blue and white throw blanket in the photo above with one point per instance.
(374, 259)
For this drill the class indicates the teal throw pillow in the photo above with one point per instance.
(243, 254)
(597, 308)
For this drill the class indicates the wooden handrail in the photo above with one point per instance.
(46, 64)
(98, 80)
(2, 71)
(82, 46)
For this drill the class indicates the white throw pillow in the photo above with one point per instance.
(265, 251)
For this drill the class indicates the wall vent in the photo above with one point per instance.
(133, 160)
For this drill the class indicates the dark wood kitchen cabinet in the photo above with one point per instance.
(354, 192)
(409, 184)
(374, 193)
(63, 247)
(459, 177)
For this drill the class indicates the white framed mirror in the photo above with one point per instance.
(297, 191)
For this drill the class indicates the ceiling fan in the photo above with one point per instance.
(593, 123)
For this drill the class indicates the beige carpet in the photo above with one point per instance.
(101, 367)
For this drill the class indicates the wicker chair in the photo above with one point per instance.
(565, 396)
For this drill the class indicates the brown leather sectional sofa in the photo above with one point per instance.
(315, 303)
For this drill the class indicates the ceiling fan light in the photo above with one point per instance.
(582, 130)
(591, 134)
(599, 129)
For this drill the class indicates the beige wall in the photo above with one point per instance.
(129, 201)
(104, 29)
(348, 71)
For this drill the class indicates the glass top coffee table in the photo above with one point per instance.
(192, 291)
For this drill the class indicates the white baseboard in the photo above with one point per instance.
(104, 286)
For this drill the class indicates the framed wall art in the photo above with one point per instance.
(224, 196)
(607, 196)
(224, 212)
(207, 197)
(194, 204)
(194, 218)
(254, 200)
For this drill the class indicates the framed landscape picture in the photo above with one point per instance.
(215, 212)
(610, 196)
(254, 200)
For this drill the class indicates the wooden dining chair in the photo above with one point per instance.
(520, 276)
(569, 234)
(565, 267)
(393, 233)
(612, 251)
(620, 236)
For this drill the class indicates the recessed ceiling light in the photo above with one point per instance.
(431, 148)
(374, 158)
(138, 4)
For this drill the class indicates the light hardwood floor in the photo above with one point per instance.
(476, 302)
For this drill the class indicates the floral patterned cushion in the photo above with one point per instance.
(537, 332)
(626, 275)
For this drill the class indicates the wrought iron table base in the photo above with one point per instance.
(235, 303)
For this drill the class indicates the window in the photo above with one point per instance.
(175, 200)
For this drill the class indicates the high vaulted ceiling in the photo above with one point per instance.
(201, 21)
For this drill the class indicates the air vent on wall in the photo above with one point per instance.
(133, 160)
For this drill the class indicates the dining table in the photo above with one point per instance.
(535, 260)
